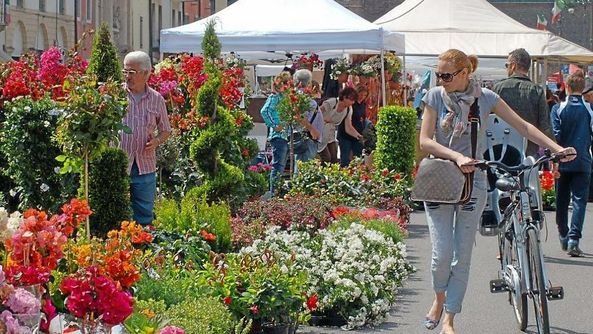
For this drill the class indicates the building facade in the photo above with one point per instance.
(35, 25)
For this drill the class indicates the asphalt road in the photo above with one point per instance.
(484, 312)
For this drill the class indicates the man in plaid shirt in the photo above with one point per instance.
(148, 120)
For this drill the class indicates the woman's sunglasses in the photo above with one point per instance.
(447, 77)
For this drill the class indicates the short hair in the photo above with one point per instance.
(576, 81)
(521, 58)
(348, 93)
(139, 57)
(302, 77)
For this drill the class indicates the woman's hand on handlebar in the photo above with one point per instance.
(567, 154)
(466, 164)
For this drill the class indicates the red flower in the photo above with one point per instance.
(312, 302)
(385, 172)
(397, 176)
(254, 309)
(207, 236)
(227, 300)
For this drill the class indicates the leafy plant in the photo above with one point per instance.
(108, 191)
(396, 130)
(353, 270)
(194, 215)
(30, 154)
(104, 62)
(255, 287)
(148, 317)
(296, 212)
(205, 315)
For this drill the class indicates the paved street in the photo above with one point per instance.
(487, 313)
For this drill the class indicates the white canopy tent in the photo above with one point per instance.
(475, 27)
(284, 26)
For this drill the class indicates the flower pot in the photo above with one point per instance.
(276, 328)
(327, 319)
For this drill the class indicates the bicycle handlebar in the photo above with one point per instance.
(548, 156)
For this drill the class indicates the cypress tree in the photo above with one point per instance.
(104, 61)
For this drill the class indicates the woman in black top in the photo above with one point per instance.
(350, 130)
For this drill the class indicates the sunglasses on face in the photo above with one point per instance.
(447, 77)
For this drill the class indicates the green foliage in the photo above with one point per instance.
(30, 154)
(147, 317)
(201, 316)
(210, 44)
(193, 215)
(108, 193)
(356, 185)
(92, 119)
(396, 130)
(165, 281)
(104, 62)
(255, 287)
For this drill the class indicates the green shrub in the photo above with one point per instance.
(193, 215)
(104, 60)
(26, 144)
(396, 130)
(201, 316)
(388, 228)
(108, 191)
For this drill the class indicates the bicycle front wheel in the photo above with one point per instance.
(537, 290)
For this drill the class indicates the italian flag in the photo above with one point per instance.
(559, 5)
(542, 23)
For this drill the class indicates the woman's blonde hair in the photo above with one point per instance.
(281, 80)
(460, 59)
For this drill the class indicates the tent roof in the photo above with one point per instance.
(475, 27)
(283, 25)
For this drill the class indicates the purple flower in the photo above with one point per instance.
(23, 302)
(12, 325)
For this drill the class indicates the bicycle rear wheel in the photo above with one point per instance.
(510, 264)
(537, 289)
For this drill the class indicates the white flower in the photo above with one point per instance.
(44, 187)
(46, 124)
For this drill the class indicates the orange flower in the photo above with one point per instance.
(207, 236)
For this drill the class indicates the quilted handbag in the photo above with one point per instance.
(441, 181)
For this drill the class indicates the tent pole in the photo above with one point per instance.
(383, 89)
(545, 74)
(405, 77)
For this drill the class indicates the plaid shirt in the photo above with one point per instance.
(144, 117)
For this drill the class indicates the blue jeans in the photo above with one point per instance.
(279, 156)
(575, 185)
(308, 155)
(347, 147)
(142, 194)
(453, 232)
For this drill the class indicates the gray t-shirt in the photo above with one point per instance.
(487, 100)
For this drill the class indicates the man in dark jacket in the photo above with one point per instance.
(526, 98)
(572, 125)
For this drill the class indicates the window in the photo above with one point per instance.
(89, 7)
(20, 3)
(3, 7)
(179, 18)
(62, 7)
(42, 5)
(173, 17)
(141, 31)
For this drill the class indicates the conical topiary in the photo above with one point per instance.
(104, 61)
(210, 43)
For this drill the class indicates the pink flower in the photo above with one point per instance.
(166, 87)
(252, 168)
(23, 302)
(172, 330)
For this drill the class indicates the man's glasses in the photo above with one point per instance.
(447, 77)
(129, 72)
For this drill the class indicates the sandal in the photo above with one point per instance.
(431, 324)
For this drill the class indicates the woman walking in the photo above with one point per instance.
(445, 133)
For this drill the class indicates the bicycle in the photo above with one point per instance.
(522, 272)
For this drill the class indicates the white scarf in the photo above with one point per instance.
(458, 106)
